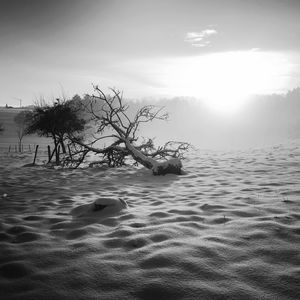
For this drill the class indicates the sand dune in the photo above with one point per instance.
(228, 229)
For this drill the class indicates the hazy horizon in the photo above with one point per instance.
(264, 121)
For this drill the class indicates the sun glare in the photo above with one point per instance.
(224, 81)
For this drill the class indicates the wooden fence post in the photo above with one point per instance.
(57, 155)
(36, 150)
(49, 153)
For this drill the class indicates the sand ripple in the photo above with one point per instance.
(228, 229)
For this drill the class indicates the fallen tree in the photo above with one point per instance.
(114, 124)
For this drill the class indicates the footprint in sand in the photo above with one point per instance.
(100, 207)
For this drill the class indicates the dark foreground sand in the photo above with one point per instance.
(228, 229)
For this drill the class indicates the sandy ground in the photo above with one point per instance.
(228, 229)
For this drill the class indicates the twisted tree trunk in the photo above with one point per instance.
(172, 166)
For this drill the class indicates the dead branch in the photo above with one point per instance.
(112, 121)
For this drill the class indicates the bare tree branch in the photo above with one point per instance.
(110, 115)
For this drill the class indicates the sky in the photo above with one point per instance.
(219, 51)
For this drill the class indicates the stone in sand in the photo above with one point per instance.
(101, 206)
(104, 203)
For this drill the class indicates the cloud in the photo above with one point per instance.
(199, 39)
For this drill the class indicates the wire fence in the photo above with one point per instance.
(39, 152)
(23, 148)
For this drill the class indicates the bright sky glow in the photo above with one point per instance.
(225, 80)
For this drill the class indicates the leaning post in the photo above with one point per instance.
(35, 154)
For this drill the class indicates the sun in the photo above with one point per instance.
(225, 80)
